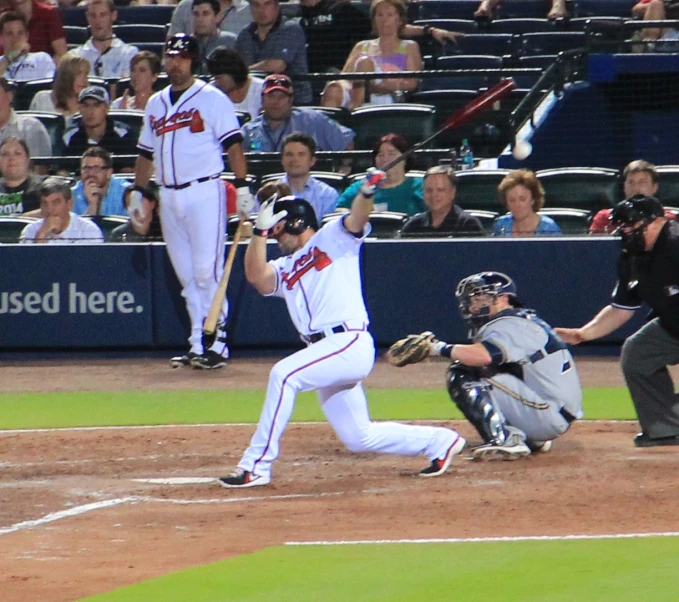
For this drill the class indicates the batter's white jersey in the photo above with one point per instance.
(321, 282)
(33, 65)
(186, 138)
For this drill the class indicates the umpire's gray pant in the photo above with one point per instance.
(644, 360)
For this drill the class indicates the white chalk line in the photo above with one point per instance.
(236, 424)
(147, 458)
(484, 539)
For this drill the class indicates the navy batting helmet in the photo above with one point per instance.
(631, 211)
(301, 214)
(186, 46)
(493, 284)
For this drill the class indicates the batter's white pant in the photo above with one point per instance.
(194, 228)
(335, 367)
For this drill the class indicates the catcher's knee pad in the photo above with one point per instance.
(471, 394)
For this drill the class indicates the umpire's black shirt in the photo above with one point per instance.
(456, 223)
(653, 278)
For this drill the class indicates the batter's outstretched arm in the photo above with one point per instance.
(610, 318)
(143, 168)
(257, 271)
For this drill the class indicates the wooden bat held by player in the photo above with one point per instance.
(463, 115)
(210, 324)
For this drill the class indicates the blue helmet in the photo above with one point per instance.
(483, 283)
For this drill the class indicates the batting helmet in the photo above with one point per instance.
(493, 284)
(301, 214)
(631, 211)
(185, 46)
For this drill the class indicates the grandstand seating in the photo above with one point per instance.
(487, 218)
(75, 35)
(11, 227)
(570, 221)
(413, 122)
(140, 33)
(155, 47)
(337, 180)
(463, 81)
(668, 184)
(520, 26)
(442, 9)
(25, 91)
(459, 25)
(551, 42)
(517, 9)
(54, 124)
(477, 189)
(133, 119)
(338, 114)
(612, 8)
(385, 224)
(108, 223)
(588, 188)
(499, 44)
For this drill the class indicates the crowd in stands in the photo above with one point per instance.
(253, 53)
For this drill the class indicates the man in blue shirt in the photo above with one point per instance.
(298, 157)
(279, 118)
(98, 192)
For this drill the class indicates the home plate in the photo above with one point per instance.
(178, 480)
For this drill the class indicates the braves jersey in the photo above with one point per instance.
(186, 138)
(321, 282)
(519, 337)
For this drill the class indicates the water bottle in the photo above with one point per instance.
(466, 155)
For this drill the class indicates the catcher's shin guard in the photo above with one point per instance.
(472, 396)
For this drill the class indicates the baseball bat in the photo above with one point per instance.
(461, 116)
(212, 318)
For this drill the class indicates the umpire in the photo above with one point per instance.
(648, 271)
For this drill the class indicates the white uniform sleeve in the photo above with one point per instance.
(146, 134)
(223, 117)
(277, 264)
(339, 237)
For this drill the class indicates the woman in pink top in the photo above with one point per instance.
(388, 53)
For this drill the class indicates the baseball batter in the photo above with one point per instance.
(186, 125)
(319, 278)
(516, 382)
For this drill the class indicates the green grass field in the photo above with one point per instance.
(544, 571)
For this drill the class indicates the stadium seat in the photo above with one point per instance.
(541, 61)
(74, 16)
(668, 184)
(487, 218)
(445, 9)
(498, 44)
(338, 114)
(588, 188)
(413, 122)
(107, 223)
(460, 25)
(54, 124)
(520, 26)
(155, 47)
(464, 81)
(599, 8)
(570, 221)
(11, 227)
(140, 33)
(517, 9)
(75, 35)
(25, 91)
(385, 224)
(133, 119)
(477, 189)
(551, 42)
(154, 14)
(337, 180)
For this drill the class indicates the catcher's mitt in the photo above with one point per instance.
(414, 348)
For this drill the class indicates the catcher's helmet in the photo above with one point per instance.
(186, 46)
(301, 214)
(637, 208)
(483, 283)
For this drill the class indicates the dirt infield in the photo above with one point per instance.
(111, 528)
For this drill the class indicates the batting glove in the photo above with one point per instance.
(245, 202)
(266, 218)
(372, 181)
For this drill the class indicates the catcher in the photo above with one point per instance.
(516, 382)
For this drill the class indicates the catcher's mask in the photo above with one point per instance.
(185, 46)
(492, 284)
(301, 214)
(631, 217)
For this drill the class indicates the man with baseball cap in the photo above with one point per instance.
(96, 128)
(279, 118)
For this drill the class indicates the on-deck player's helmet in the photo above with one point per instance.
(186, 46)
(631, 211)
(301, 214)
(493, 284)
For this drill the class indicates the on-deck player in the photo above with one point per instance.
(186, 125)
(319, 278)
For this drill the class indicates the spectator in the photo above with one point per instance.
(656, 10)
(273, 45)
(142, 226)
(98, 192)
(144, 70)
(486, 9)
(523, 195)
(232, 77)
(19, 63)
(108, 55)
(279, 119)
(233, 17)
(59, 224)
(443, 216)
(298, 156)
(388, 53)
(397, 193)
(269, 189)
(333, 27)
(45, 30)
(640, 177)
(206, 30)
(69, 81)
(96, 128)
(22, 126)
(18, 184)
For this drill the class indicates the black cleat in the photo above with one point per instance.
(210, 360)
(643, 440)
(183, 360)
